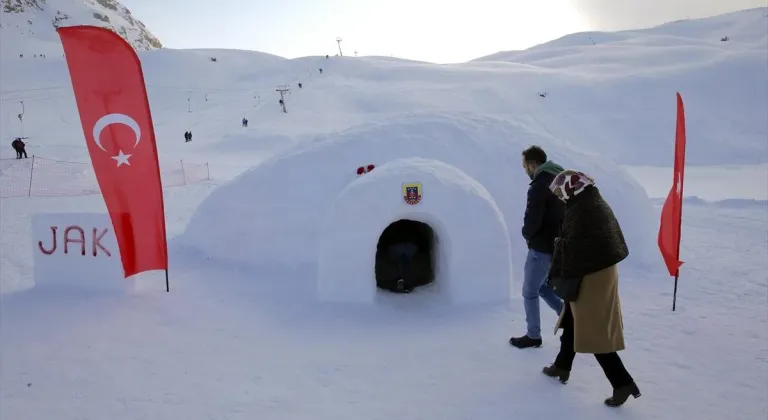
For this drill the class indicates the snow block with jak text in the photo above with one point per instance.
(76, 252)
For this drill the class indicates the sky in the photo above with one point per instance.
(438, 31)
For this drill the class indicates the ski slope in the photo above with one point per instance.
(243, 333)
(611, 99)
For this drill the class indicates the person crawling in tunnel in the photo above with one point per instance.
(403, 254)
(401, 267)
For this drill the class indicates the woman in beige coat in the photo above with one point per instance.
(585, 261)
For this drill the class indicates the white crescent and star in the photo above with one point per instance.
(109, 119)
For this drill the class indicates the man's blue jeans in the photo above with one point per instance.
(535, 286)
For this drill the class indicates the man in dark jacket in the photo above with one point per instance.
(541, 225)
(15, 145)
(20, 147)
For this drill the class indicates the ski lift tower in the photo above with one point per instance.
(283, 89)
(338, 41)
(21, 118)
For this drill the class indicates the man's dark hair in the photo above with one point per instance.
(535, 154)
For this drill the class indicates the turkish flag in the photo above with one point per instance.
(114, 110)
(672, 212)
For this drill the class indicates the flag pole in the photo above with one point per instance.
(674, 294)
(168, 288)
(679, 239)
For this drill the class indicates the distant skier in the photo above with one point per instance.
(321, 71)
(20, 147)
(299, 85)
(187, 136)
(326, 56)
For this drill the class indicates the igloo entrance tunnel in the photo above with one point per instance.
(457, 226)
(405, 252)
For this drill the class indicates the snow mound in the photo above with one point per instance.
(470, 233)
(273, 213)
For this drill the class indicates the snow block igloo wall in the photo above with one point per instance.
(272, 215)
(472, 248)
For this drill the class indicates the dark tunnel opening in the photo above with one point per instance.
(405, 256)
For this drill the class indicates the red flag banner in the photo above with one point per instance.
(114, 110)
(672, 212)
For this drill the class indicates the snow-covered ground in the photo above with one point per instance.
(242, 335)
(231, 344)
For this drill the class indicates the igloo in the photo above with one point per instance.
(286, 211)
(462, 228)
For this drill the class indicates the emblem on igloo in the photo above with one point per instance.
(412, 192)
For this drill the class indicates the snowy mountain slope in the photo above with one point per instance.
(746, 29)
(615, 99)
(29, 26)
(623, 112)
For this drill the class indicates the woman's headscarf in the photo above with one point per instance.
(570, 183)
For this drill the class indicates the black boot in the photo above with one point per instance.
(402, 287)
(555, 372)
(621, 395)
(525, 342)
